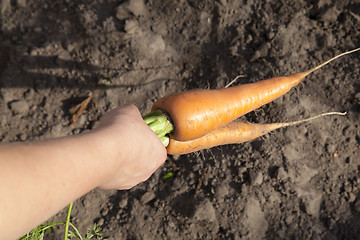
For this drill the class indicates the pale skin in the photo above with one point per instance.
(38, 179)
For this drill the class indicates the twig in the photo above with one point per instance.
(78, 110)
(201, 180)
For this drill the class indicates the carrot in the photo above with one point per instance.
(234, 132)
(198, 112)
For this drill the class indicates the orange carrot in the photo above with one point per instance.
(196, 113)
(234, 132)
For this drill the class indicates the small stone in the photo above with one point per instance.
(156, 44)
(242, 170)
(123, 203)
(69, 46)
(30, 93)
(19, 107)
(122, 13)
(255, 178)
(205, 212)
(331, 14)
(104, 212)
(109, 25)
(289, 220)
(331, 148)
(137, 7)
(312, 203)
(57, 129)
(147, 197)
(76, 131)
(352, 197)
(22, 136)
(21, 3)
(261, 52)
(282, 174)
(223, 2)
(129, 8)
(38, 30)
(244, 188)
(357, 96)
(100, 222)
(347, 187)
(221, 192)
(104, 81)
(33, 52)
(176, 157)
(132, 26)
(62, 59)
(271, 34)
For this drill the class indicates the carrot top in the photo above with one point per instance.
(160, 124)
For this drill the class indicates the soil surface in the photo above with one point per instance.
(301, 182)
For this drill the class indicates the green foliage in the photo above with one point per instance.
(95, 233)
(168, 175)
(39, 232)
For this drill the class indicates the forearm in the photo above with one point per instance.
(39, 179)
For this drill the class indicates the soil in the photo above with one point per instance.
(301, 182)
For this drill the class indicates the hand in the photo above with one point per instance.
(133, 151)
(122, 152)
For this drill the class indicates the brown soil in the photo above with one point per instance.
(301, 182)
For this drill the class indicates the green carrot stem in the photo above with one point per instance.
(160, 124)
(67, 221)
(76, 230)
(152, 116)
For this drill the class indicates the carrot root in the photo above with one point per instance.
(204, 118)
(234, 80)
(232, 133)
(198, 112)
(330, 60)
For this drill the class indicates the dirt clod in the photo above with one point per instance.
(19, 107)
(205, 212)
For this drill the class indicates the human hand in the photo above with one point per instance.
(120, 153)
(133, 151)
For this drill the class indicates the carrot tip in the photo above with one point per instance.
(313, 118)
(330, 60)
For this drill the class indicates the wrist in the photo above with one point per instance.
(104, 158)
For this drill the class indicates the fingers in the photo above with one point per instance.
(139, 152)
